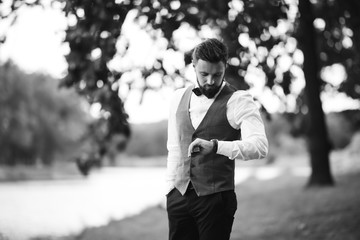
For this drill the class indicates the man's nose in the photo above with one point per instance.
(210, 80)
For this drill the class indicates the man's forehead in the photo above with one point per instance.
(206, 66)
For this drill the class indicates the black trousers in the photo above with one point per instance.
(200, 218)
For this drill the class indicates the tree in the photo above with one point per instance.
(321, 48)
(317, 136)
(258, 19)
(96, 29)
(255, 31)
(37, 120)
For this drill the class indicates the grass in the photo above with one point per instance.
(283, 209)
(277, 209)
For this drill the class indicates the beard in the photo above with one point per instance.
(210, 90)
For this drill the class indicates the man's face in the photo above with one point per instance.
(209, 76)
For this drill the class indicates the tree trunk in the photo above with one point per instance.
(317, 137)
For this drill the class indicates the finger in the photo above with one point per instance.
(190, 149)
(191, 146)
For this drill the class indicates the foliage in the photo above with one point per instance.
(230, 19)
(36, 119)
(272, 27)
(148, 140)
(339, 40)
(353, 148)
(342, 127)
(260, 34)
(95, 29)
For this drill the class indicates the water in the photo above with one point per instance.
(59, 208)
(65, 207)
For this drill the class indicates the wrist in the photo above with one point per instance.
(215, 145)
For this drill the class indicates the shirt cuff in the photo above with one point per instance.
(223, 149)
(226, 148)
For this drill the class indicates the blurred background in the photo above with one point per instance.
(85, 88)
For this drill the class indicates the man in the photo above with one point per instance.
(209, 127)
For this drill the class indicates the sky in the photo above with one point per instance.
(35, 41)
(35, 44)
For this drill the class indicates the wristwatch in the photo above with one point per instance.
(215, 147)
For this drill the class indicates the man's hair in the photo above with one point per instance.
(210, 50)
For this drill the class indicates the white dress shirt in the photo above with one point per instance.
(242, 113)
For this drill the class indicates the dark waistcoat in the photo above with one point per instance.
(213, 172)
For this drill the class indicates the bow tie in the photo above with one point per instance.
(197, 91)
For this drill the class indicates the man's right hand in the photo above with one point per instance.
(200, 145)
